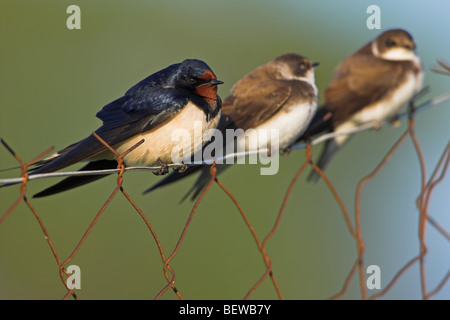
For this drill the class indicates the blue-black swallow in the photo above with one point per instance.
(173, 98)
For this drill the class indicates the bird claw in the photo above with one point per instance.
(164, 168)
(181, 168)
(286, 151)
(377, 125)
(395, 121)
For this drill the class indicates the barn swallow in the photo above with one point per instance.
(278, 95)
(370, 86)
(170, 99)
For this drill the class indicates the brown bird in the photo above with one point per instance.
(370, 86)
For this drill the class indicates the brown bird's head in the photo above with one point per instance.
(293, 66)
(395, 44)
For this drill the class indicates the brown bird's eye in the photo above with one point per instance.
(408, 47)
(390, 43)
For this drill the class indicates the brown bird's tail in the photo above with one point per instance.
(330, 149)
(198, 185)
(202, 181)
(332, 146)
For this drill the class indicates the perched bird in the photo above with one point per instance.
(279, 95)
(170, 99)
(370, 86)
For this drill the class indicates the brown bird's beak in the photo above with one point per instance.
(315, 64)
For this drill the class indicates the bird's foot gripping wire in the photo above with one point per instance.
(182, 168)
(163, 170)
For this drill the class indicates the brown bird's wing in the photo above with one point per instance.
(257, 105)
(357, 83)
(354, 87)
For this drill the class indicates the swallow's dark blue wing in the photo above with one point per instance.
(139, 112)
(143, 108)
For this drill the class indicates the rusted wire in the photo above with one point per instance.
(347, 281)
(102, 209)
(408, 265)
(337, 198)
(438, 287)
(442, 166)
(275, 227)
(423, 212)
(213, 172)
(155, 237)
(265, 257)
(121, 167)
(22, 196)
(443, 68)
(360, 242)
(24, 176)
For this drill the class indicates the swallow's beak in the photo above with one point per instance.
(214, 82)
(315, 64)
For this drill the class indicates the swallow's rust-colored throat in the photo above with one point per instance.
(208, 91)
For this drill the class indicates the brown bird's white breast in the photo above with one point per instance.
(159, 142)
(290, 124)
(384, 109)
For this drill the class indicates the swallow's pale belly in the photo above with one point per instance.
(187, 131)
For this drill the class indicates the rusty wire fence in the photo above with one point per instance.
(428, 184)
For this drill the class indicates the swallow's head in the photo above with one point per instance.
(293, 66)
(195, 75)
(395, 44)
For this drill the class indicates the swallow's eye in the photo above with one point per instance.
(191, 79)
(390, 43)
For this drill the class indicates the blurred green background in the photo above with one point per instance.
(53, 81)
